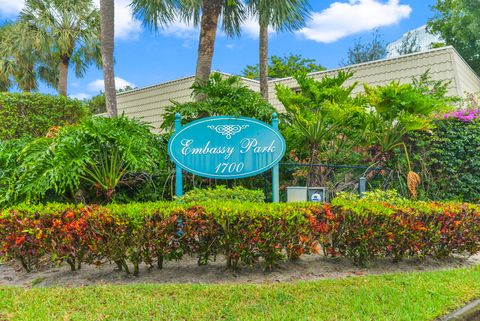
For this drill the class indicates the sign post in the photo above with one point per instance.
(227, 147)
(275, 170)
(178, 169)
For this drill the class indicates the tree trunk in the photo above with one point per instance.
(264, 60)
(208, 30)
(63, 75)
(107, 45)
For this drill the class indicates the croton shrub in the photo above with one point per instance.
(246, 233)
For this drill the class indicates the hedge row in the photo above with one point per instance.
(33, 114)
(152, 233)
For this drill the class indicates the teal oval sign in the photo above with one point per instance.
(226, 147)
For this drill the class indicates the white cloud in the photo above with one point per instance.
(343, 19)
(181, 29)
(126, 26)
(80, 96)
(251, 28)
(10, 8)
(98, 84)
(188, 31)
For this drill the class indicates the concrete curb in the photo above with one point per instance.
(470, 312)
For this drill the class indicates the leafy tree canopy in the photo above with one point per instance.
(281, 67)
(458, 23)
(366, 51)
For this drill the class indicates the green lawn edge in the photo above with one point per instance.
(400, 296)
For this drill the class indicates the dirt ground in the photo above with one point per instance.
(187, 271)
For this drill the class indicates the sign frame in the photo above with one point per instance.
(179, 166)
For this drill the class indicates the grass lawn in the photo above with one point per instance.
(412, 296)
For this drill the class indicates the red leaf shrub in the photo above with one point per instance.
(244, 232)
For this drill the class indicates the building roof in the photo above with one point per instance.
(443, 64)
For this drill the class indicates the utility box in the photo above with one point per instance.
(296, 193)
(307, 194)
(317, 194)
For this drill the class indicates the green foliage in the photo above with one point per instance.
(9, 151)
(458, 24)
(366, 51)
(21, 64)
(26, 114)
(281, 67)
(219, 193)
(222, 97)
(324, 118)
(96, 104)
(325, 124)
(449, 158)
(409, 44)
(84, 162)
(243, 232)
(391, 196)
(68, 28)
(156, 15)
(400, 109)
(404, 296)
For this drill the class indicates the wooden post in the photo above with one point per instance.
(178, 169)
(275, 170)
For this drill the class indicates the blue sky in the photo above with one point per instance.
(144, 58)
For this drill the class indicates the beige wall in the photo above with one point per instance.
(443, 64)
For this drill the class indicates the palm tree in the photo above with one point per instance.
(68, 28)
(107, 44)
(281, 15)
(156, 14)
(20, 63)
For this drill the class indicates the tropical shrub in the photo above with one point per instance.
(323, 123)
(86, 162)
(221, 96)
(33, 114)
(244, 232)
(220, 192)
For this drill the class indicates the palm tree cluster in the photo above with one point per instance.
(51, 36)
(281, 15)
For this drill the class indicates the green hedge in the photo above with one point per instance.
(222, 193)
(243, 232)
(448, 159)
(32, 114)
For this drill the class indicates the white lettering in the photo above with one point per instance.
(205, 150)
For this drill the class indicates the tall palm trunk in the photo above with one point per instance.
(107, 45)
(264, 60)
(208, 29)
(63, 75)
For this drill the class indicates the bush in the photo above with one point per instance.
(222, 96)
(90, 161)
(221, 193)
(449, 159)
(243, 232)
(32, 114)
